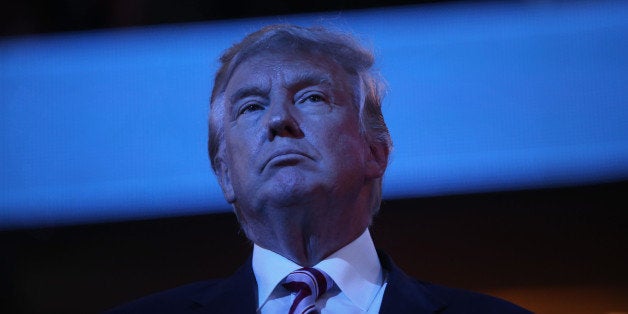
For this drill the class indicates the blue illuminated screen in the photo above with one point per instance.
(112, 125)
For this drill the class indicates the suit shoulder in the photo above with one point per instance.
(464, 301)
(168, 301)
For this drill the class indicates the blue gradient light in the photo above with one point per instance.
(111, 125)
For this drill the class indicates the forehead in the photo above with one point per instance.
(287, 68)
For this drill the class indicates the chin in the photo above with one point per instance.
(289, 196)
(291, 193)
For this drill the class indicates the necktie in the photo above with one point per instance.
(308, 284)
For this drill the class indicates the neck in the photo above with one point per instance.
(307, 239)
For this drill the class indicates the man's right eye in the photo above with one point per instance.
(250, 108)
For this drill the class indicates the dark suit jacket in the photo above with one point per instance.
(238, 294)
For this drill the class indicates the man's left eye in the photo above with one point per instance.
(311, 98)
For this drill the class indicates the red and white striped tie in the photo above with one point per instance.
(308, 284)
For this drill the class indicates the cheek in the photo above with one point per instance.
(242, 140)
(347, 144)
(351, 146)
(241, 156)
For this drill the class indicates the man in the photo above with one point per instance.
(299, 146)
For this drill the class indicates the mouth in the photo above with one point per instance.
(285, 158)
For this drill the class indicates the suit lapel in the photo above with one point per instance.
(238, 293)
(235, 294)
(404, 294)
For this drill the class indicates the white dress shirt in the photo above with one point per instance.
(359, 280)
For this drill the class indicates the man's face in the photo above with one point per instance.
(292, 136)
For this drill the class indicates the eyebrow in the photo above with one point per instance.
(245, 92)
(310, 78)
(300, 80)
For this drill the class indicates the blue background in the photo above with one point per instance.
(111, 125)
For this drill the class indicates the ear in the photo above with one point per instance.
(222, 172)
(376, 160)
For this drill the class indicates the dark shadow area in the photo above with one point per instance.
(549, 237)
(42, 16)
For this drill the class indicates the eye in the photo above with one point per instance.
(248, 108)
(313, 98)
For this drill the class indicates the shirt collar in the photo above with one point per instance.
(354, 268)
(270, 269)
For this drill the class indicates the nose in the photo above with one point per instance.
(281, 122)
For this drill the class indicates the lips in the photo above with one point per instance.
(284, 156)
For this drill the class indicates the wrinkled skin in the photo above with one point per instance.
(295, 166)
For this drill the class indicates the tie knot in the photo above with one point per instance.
(308, 284)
